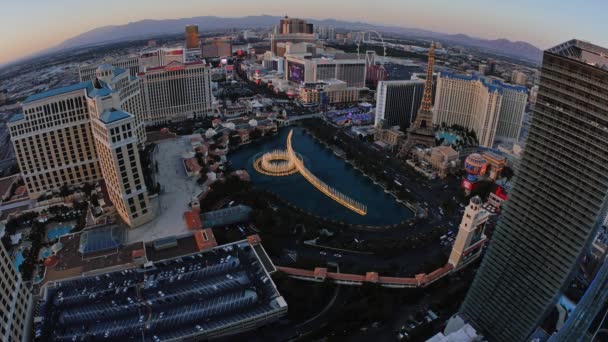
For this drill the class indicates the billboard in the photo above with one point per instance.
(295, 72)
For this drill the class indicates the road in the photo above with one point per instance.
(429, 195)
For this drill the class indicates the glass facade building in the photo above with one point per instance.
(557, 201)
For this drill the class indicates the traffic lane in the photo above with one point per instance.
(359, 263)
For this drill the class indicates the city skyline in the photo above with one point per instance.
(184, 179)
(539, 23)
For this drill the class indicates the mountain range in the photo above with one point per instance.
(152, 28)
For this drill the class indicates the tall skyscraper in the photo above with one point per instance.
(557, 201)
(192, 37)
(397, 102)
(16, 298)
(291, 30)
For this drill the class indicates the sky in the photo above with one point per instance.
(29, 26)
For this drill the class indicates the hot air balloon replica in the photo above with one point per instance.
(475, 166)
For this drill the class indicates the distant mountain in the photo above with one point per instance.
(152, 28)
(505, 46)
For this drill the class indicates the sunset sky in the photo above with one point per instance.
(32, 25)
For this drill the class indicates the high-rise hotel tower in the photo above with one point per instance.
(83, 133)
(15, 302)
(557, 202)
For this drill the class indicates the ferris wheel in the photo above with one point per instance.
(361, 38)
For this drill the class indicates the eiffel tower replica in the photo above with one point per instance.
(421, 131)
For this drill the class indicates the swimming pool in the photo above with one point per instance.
(58, 232)
(45, 253)
(19, 259)
(448, 137)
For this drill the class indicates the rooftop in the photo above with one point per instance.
(584, 52)
(492, 85)
(58, 91)
(72, 263)
(199, 296)
(16, 117)
(226, 216)
(113, 115)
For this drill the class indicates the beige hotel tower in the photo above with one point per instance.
(83, 133)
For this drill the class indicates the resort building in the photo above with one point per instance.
(442, 159)
(557, 203)
(15, 310)
(488, 107)
(135, 63)
(389, 138)
(291, 30)
(87, 71)
(307, 69)
(82, 134)
(217, 47)
(327, 92)
(397, 102)
(176, 91)
(192, 41)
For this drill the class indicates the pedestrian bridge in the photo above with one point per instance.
(282, 163)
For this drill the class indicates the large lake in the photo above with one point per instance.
(382, 209)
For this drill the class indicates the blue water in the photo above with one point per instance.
(19, 259)
(382, 209)
(45, 253)
(449, 138)
(567, 304)
(58, 232)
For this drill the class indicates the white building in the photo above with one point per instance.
(326, 33)
(16, 308)
(518, 77)
(138, 62)
(327, 92)
(308, 69)
(78, 134)
(489, 107)
(86, 72)
(176, 92)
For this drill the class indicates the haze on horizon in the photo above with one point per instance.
(32, 26)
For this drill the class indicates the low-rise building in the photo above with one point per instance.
(327, 92)
(442, 159)
(392, 137)
(191, 289)
(312, 69)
